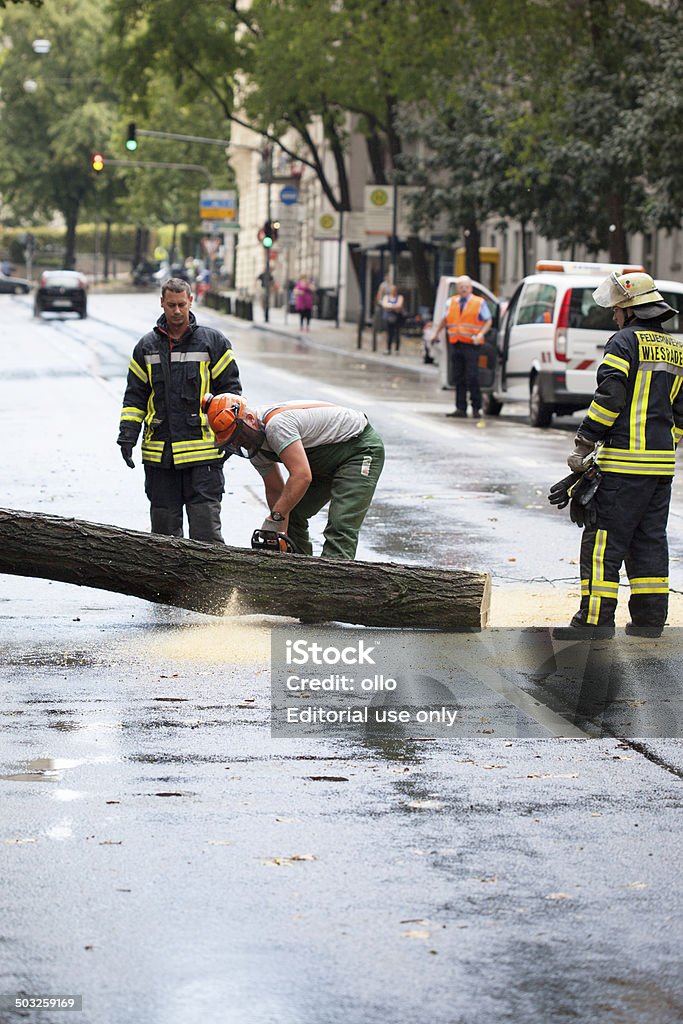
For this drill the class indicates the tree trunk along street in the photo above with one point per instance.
(210, 577)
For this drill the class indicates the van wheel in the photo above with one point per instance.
(490, 406)
(540, 412)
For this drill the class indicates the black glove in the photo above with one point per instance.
(559, 492)
(127, 454)
(583, 515)
(583, 510)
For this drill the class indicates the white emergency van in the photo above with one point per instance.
(552, 337)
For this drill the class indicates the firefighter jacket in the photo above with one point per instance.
(463, 325)
(637, 409)
(166, 382)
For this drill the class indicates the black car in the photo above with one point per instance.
(143, 273)
(14, 285)
(62, 291)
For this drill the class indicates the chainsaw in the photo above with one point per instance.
(268, 540)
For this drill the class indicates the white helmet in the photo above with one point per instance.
(625, 291)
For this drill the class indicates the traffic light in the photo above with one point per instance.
(97, 162)
(269, 235)
(131, 141)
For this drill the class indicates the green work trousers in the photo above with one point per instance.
(346, 475)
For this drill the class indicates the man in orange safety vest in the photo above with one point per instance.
(467, 320)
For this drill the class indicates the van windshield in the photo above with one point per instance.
(584, 314)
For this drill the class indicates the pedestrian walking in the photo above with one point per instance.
(392, 314)
(202, 283)
(467, 320)
(331, 454)
(637, 417)
(173, 366)
(383, 290)
(303, 301)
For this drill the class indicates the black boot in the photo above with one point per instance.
(650, 632)
(580, 630)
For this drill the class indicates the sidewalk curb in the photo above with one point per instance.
(354, 351)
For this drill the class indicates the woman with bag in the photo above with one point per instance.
(303, 300)
(392, 306)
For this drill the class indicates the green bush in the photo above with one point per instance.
(50, 243)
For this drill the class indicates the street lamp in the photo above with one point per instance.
(40, 46)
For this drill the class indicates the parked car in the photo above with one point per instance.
(143, 273)
(62, 291)
(487, 358)
(552, 337)
(14, 285)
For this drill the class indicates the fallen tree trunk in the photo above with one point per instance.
(215, 578)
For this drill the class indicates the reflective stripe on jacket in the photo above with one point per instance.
(637, 409)
(462, 326)
(166, 383)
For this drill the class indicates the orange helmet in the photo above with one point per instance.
(224, 412)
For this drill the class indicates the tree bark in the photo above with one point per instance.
(216, 579)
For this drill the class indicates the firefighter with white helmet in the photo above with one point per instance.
(331, 454)
(631, 430)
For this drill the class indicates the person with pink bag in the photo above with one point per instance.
(303, 302)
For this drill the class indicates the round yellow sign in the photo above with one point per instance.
(327, 221)
(379, 197)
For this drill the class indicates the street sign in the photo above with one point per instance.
(288, 238)
(379, 210)
(327, 226)
(218, 204)
(217, 227)
(289, 195)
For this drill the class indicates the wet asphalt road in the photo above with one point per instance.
(165, 857)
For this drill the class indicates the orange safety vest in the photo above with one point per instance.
(463, 326)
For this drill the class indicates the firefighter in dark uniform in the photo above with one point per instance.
(172, 368)
(637, 415)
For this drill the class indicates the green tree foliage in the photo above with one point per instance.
(363, 58)
(554, 123)
(654, 124)
(49, 130)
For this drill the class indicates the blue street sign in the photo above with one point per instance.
(289, 195)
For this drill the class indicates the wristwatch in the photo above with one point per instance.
(277, 517)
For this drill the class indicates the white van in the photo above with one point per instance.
(487, 359)
(552, 337)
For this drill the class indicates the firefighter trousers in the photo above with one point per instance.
(196, 489)
(630, 530)
(346, 475)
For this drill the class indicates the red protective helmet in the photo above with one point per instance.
(224, 412)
